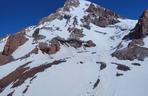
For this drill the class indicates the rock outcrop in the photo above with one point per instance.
(76, 33)
(141, 28)
(13, 42)
(22, 73)
(51, 48)
(131, 53)
(90, 44)
(36, 35)
(100, 16)
(5, 59)
(70, 3)
(135, 49)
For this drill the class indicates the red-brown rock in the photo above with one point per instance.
(141, 28)
(100, 16)
(51, 48)
(13, 42)
(5, 59)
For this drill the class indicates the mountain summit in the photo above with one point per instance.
(82, 49)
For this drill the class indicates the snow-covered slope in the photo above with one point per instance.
(72, 66)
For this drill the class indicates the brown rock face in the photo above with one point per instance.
(90, 44)
(71, 3)
(141, 28)
(136, 42)
(131, 53)
(101, 16)
(134, 50)
(5, 59)
(22, 73)
(13, 42)
(50, 49)
(122, 67)
(76, 33)
(36, 35)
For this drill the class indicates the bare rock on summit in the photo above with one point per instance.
(13, 42)
(101, 16)
(136, 42)
(71, 3)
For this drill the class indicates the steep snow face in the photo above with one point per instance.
(82, 71)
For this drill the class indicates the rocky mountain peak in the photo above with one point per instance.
(101, 11)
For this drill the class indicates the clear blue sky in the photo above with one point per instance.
(18, 14)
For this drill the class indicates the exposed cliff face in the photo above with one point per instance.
(51, 48)
(5, 59)
(13, 42)
(134, 50)
(131, 53)
(141, 28)
(70, 3)
(101, 16)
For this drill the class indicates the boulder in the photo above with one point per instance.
(76, 43)
(76, 33)
(90, 44)
(51, 48)
(36, 35)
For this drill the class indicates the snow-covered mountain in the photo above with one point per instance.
(82, 49)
